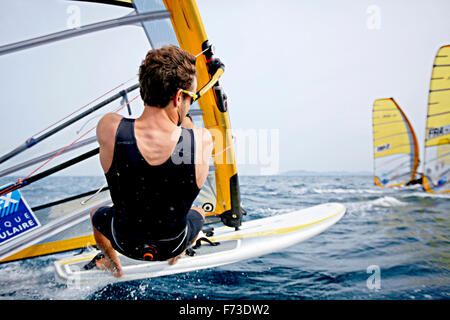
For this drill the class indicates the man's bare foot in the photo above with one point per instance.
(174, 260)
(111, 266)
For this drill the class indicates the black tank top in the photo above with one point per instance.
(151, 201)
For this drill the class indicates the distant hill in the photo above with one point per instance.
(324, 173)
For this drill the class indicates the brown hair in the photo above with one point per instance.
(163, 72)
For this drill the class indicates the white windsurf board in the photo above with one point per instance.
(254, 238)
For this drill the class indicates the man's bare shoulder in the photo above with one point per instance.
(107, 126)
(110, 119)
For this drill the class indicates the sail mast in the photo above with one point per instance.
(67, 34)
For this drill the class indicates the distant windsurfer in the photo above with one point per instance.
(416, 181)
(155, 167)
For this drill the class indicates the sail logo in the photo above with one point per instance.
(16, 217)
(383, 147)
(8, 204)
(437, 132)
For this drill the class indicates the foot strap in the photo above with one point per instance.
(191, 252)
(91, 264)
(198, 243)
(209, 232)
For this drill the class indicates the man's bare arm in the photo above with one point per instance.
(106, 128)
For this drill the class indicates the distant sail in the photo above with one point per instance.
(395, 147)
(437, 134)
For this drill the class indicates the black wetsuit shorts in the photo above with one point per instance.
(102, 220)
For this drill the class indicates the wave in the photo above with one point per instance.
(269, 212)
(387, 202)
(429, 195)
(384, 202)
(345, 191)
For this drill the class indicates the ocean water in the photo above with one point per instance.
(391, 244)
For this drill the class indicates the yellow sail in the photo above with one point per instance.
(437, 134)
(395, 147)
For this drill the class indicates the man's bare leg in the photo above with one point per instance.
(110, 262)
(175, 259)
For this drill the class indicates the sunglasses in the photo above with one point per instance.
(193, 95)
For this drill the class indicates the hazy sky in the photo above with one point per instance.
(306, 72)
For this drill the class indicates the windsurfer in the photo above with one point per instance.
(416, 181)
(154, 167)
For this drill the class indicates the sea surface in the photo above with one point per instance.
(391, 244)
